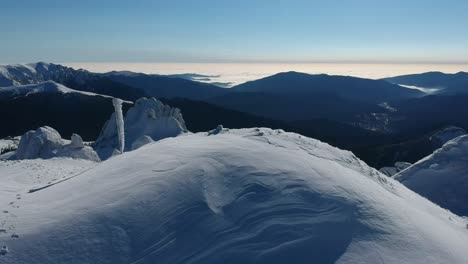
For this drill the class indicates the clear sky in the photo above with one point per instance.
(410, 31)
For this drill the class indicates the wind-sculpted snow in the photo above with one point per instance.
(148, 117)
(235, 196)
(442, 177)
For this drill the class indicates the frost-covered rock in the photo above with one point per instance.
(442, 177)
(148, 117)
(399, 166)
(8, 144)
(46, 143)
(41, 143)
(217, 130)
(76, 141)
(119, 122)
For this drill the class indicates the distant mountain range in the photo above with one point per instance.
(344, 111)
(352, 88)
(447, 83)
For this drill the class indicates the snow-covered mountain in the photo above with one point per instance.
(442, 177)
(33, 73)
(47, 87)
(438, 82)
(124, 84)
(227, 196)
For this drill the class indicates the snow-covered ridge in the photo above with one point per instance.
(45, 87)
(442, 177)
(33, 73)
(230, 196)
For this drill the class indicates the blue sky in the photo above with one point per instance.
(234, 31)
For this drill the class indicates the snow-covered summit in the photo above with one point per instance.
(442, 177)
(235, 196)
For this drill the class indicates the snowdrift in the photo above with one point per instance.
(234, 196)
(442, 177)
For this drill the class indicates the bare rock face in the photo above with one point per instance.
(148, 117)
(46, 143)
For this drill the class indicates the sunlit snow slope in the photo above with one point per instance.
(239, 196)
(442, 177)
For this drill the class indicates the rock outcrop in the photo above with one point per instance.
(46, 143)
(148, 117)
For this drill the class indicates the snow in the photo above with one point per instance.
(46, 143)
(235, 196)
(148, 117)
(442, 177)
(44, 87)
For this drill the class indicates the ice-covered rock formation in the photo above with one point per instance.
(399, 166)
(148, 117)
(119, 120)
(442, 177)
(46, 143)
(240, 196)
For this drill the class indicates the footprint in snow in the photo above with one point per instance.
(4, 250)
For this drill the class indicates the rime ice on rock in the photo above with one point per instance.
(119, 123)
(46, 143)
(76, 141)
(148, 117)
